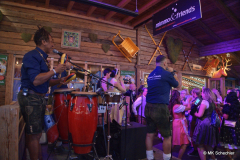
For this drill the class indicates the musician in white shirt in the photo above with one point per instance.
(141, 102)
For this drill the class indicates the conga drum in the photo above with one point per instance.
(82, 119)
(60, 107)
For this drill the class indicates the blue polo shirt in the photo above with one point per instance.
(34, 64)
(159, 83)
(63, 74)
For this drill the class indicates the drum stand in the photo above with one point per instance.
(109, 136)
(95, 155)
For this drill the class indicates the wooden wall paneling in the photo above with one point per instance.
(147, 48)
(46, 18)
(9, 79)
(19, 19)
(57, 11)
(9, 127)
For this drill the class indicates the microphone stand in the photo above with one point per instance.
(78, 68)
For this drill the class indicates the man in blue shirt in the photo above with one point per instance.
(160, 81)
(35, 81)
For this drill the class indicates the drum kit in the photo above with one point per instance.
(76, 115)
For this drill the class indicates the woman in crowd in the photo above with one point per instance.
(205, 135)
(218, 102)
(117, 82)
(238, 94)
(218, 96)
(183, 96)
(230, 129)
(180, 127)
(139, 105)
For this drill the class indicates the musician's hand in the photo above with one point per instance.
(121, 79)
(62, 81)
(60, 68)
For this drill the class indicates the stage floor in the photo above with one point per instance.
(157, 153)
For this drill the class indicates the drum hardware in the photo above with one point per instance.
(90, 107)
(83, 145)
(72, 104)
(109, 136)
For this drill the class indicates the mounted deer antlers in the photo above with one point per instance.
(227, 60)
(222, 70)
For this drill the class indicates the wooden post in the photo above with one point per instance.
(137, 76)
(9, 79)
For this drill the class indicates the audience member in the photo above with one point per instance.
(196, 93)
(179, 127)
(230, 129)
(205, 135)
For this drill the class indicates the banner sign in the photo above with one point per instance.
(124, 73)
(197, 67)
(177, 14)
(3, 68)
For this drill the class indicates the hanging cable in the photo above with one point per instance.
(136, 7)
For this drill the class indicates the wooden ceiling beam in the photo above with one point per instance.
(222, 47)
(112, 13)
(207, 30)
(141, 10)
(227, 12)
(47, 3)
(184, 33)
(70, 5)
(92, 9)
(235, 57)
(148, 15)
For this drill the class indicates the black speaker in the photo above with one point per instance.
(129, 143)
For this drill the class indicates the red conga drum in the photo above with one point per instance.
(82, 119)
(60, 107)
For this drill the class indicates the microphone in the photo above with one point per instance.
(60, 53)
(56, 51)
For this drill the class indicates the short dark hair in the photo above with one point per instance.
(114, 72)
(106, 71)
(160, 58)
(41, 34)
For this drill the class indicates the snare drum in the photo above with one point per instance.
(113, 97)
(82, 119)
(60, 105)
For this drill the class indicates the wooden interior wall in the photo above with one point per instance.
(20, 19)
(147, 48)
